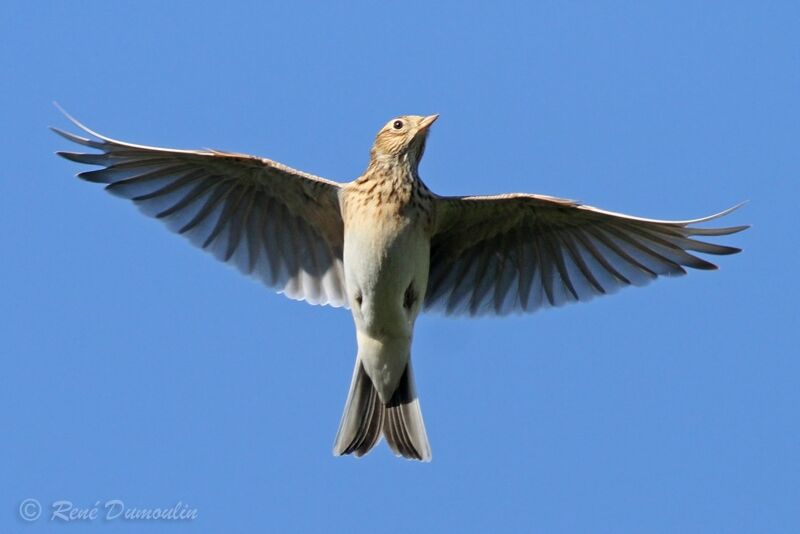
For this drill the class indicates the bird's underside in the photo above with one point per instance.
(488, 254)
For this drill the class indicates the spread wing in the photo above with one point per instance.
(519, 253)
(272, 222)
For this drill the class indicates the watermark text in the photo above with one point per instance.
(65, 511)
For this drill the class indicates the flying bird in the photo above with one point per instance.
(386, 247)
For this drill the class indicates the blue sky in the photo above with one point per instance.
(137, 368)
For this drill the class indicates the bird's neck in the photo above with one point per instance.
(398, 172)
(389, 163)
(391, 180)
(391, 188)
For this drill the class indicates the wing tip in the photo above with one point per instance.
(720, 214)
(73, 120)
(77, 157)
(68, 136)
(81, 126)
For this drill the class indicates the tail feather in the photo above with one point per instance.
(404, 429)
(366, 418)
(362, 420)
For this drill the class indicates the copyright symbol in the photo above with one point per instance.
(30, 509)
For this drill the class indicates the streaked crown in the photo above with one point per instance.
(403, 137)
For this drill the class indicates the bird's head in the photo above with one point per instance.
(403, 139)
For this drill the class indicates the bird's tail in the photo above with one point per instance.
(366, 418)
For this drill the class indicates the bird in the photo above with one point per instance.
(388, 248)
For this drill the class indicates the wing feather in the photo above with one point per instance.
(550, 251)
(268, 220)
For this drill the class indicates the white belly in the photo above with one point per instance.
(387, 273)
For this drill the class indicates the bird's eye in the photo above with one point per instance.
(397, 125)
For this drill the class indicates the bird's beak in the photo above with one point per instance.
(426, 122)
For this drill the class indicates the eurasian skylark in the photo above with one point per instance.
(386, 247)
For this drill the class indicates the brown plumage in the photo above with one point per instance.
(388, 248)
